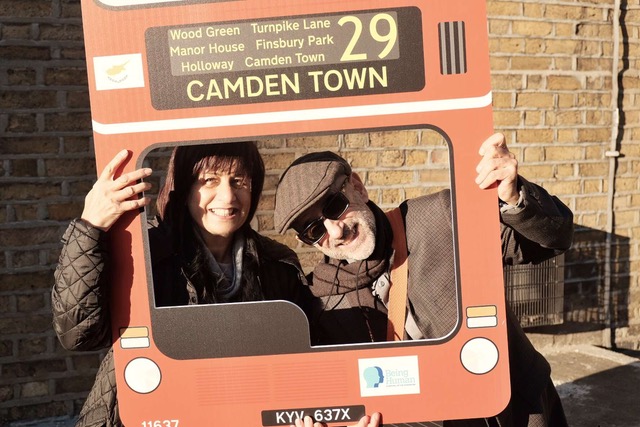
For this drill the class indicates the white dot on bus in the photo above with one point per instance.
(479, 355)
(142, 375)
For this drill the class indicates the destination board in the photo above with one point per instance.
(302, 57)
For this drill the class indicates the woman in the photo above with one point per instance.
(203, 238)
(203, 251)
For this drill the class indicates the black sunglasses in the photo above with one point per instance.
(333, 209)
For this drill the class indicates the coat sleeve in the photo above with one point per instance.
(539, 229)
(79, 299)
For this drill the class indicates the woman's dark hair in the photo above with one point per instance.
(188, 161)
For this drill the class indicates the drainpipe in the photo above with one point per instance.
(608, 334)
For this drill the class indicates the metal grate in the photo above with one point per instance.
(536, 292)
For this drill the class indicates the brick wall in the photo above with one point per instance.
(552, 80)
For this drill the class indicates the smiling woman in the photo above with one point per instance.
(202, 246)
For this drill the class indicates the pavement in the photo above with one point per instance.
(598, 387)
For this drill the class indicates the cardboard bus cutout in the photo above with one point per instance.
(179, 72)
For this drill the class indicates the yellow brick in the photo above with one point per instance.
(406, 138)
(374, 193)
(494, 45)
(591, 48)
(270, 143)
(536, 172)
(596, 152)
(511, 45)
(594, 135)
(531, 63)
(534, 82)
(533, 118)
(378, 177)
(631, 150)
(417, 158)
(391, 158)
(593, 186)
(635, 200)
(563, 63)
(502, 100)
(598, 117)
(562, 153)
(533, 10)
(392, 197)
(429, 137)
(356, 140)
(591, 203)
(267, 202)
(506, 81)
(563, 12)
(271, 180)
(530, 100)
(556, 83)
(563, 118)
(626, 184)
(498, 63)
(265, 222)
(599, 82)
(277, 160)
(564, 170)
(314, 142)
(563, 187)
(498, 26)
(593, 64)
(630, 81)
(589, 29)
(362, 159)
(564, 30)
(626, 218)
(533, 154)
(621, 202)
(497, 8)
(506, 118)
(567, 100)
(532, 28)
(534, 135)
(562, 46)
(534, 46)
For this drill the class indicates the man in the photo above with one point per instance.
(327, 204)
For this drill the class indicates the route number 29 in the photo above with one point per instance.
(389, 38)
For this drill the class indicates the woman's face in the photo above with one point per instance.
(219, 202)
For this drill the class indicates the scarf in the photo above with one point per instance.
(208, 279)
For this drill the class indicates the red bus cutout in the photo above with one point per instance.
(183, 72)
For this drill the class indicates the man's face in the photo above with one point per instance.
(353, 235)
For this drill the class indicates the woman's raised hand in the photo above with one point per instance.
(109, 198)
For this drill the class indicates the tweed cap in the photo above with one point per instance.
(307, 180)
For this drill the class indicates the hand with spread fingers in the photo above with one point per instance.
(498, 167)
(110, 197)
(366, 421)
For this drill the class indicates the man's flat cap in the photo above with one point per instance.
(307, 180)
